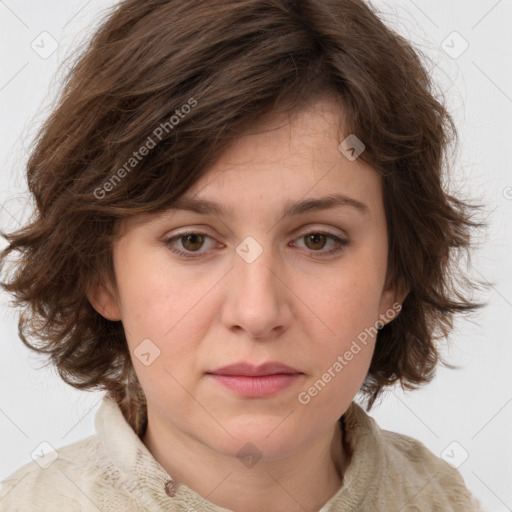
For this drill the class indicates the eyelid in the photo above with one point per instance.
(331, 230)
(177, 236)
(341, 241)
(302, 231)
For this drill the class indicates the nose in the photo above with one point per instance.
(257, 299)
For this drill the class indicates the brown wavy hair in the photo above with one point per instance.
(238, 60)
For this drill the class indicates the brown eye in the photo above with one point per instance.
(315, 241)
(192, 242)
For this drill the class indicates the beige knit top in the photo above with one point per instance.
(113, 470)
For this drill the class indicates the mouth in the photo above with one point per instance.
(247, 380)
(250, 370)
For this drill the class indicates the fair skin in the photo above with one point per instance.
(294, 303)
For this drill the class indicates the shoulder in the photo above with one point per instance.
(428, 477)
(405, 450)
(392, 470)
(60, 480)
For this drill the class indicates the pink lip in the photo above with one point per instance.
(256, 381)
(247, 369)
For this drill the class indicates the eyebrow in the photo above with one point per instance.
(291, 209)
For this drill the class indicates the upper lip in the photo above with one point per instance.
(248, 369)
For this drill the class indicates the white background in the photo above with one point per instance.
(471, 406)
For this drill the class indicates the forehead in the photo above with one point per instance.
(292, 158)
(288, 164)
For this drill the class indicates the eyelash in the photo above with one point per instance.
(341, 243)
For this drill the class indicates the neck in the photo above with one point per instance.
(304, 480)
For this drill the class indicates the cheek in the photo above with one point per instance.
(154, 307)
(342, 356)
(164, 322)
(348, 300)
(346, 306)
(154, 296)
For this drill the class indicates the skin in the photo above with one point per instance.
(291, 305)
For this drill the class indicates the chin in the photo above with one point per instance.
(268, 437)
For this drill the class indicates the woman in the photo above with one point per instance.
(240, 224)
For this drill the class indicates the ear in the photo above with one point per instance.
(391, 301)
(103, 299)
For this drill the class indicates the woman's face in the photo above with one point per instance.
(267, 276)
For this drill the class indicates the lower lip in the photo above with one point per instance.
(256, 387)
